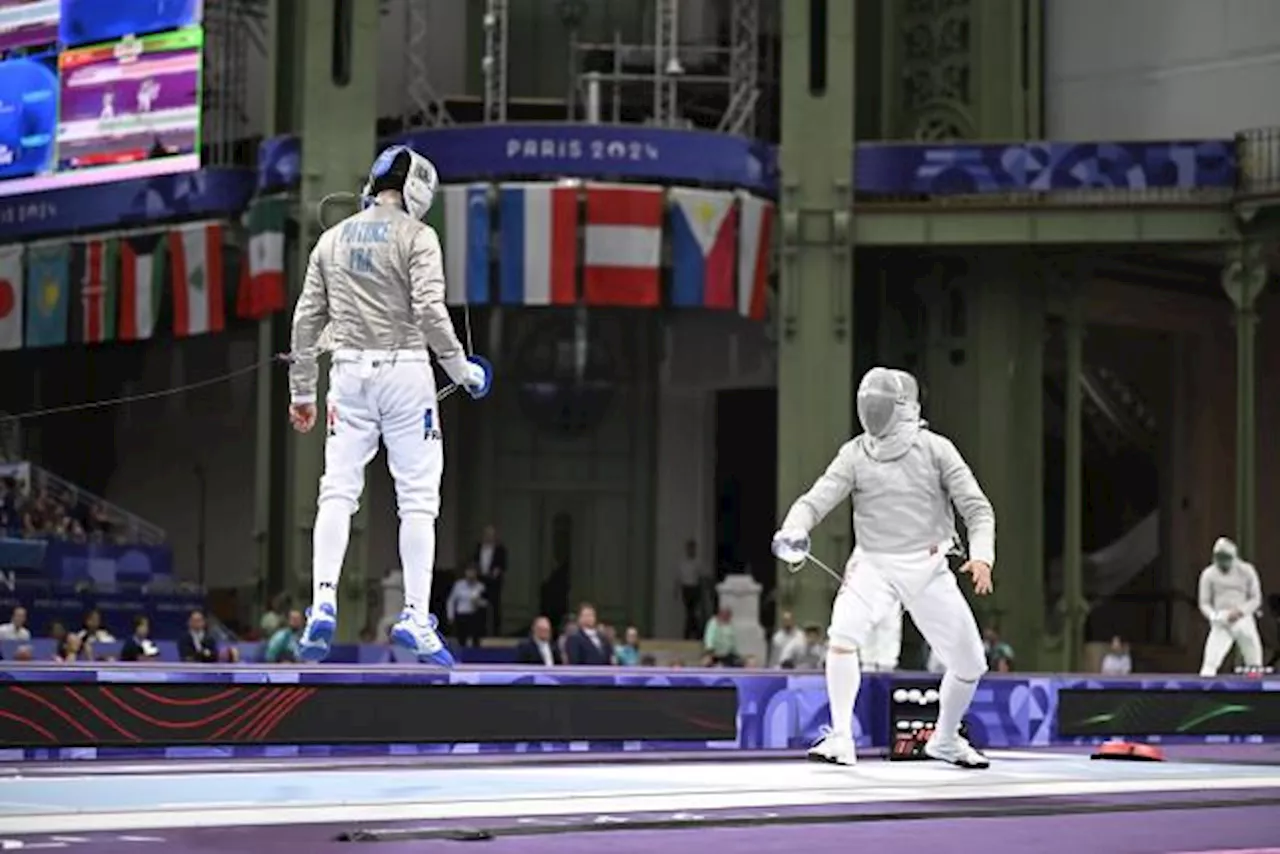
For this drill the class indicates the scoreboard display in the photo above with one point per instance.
(913, 715)
(93, 91)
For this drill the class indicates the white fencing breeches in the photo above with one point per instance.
(1242, 633)
(883, 646)
(876, 585)
(389, 396)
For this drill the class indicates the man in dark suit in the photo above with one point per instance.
(491, 559)
(539, 648)
(588, 646)
(197, 644)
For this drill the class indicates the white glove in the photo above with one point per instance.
(473, 377)
(791, 546)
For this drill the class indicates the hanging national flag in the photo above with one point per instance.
(262, 281)
(11, 290)
(98, 291)
(622, 245)
(195, 262)
(704, 226)
(461, 217)
(753, 255)
(48, 281)
(141, 285)
(538, 240)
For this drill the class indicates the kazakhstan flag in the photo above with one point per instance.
(48, 281)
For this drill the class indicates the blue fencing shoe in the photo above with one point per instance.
(422, 639)
(322, 622)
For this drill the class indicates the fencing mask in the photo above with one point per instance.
(884, 397)
(1224, 554)
(404, 170)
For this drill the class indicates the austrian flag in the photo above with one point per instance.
(622, 245)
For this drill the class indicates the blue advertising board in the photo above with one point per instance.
(207, 193)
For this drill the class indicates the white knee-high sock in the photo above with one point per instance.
(418, 560)
(954, 698)
(843, 678)
(328, 550)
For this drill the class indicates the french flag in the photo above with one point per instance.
(538, 242)
(623, 245)
(753, 255)
(704, 231)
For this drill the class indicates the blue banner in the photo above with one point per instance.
(207, 193)
(1041, 167)
(505, 152)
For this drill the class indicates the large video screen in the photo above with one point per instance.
(93, 91)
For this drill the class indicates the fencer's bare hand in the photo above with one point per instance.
(302, 416)
(981, 573)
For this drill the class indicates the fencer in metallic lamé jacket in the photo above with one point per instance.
(376, 280)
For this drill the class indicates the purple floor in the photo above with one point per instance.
(1211, 830)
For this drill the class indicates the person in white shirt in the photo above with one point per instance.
(465, 607)
(787, 634)
(1230, 598)
(16, 629)
(808, 652)
(1117, 661)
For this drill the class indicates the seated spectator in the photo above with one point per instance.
(466, 607)
(628, 654)
(788, 633)
(999, 653)
(138, 646)
(74, 647)
(197, 644)
(273, 617)
(16, 629)
(568, 628)
(539, 648)
(807, 653)
(23, 653)
(719, 642)
(1117, 661)
(283, 646)
(92, 631)
(588, 646)
(650, 660)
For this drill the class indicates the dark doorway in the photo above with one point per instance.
(747, 486)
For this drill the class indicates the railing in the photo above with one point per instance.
(1258, 162)
(134, 527)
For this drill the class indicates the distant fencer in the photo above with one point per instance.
(375, 287)
(903, 480)
(1230, 598)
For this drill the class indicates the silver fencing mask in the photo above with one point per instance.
(879, 394)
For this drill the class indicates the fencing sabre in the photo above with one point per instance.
(809, 558)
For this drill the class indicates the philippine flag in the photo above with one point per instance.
(704, 226)
(753, 255)
(538, 244)
(622, 245)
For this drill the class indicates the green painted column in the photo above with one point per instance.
(815, 351)
(962, 69)
(1243, 278)
(1075, 606)
(324, 87)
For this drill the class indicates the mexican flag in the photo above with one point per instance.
(195, 265)
(262, 283)
(141, 285)
(98, 291)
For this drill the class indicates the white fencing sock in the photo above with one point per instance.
(328, 551)
(418, 560)
(954, 698)
(843, 678)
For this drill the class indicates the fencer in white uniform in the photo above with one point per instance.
(903, 480)
(376, 281)
(1230, 598)
(883, 647)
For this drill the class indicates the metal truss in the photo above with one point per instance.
(666, 63)
(495, 61)
(232, 30)
(744, 69)
(425, 108)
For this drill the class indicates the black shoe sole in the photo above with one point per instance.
(825, 760)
